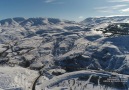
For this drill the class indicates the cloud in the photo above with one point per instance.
(49, 1)
(119, 6)
(110, 9)
(54, 1)
(80, 17)
(118, 0)
(102, 9)
(125, 10)
(105, 11)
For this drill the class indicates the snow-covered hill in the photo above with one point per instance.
(54, 47)
(101, 20)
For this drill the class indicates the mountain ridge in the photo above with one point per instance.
(100, 20)
(34, 21)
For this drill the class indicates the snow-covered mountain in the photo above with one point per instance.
(101, 20)
(55, 47)
(33, 21)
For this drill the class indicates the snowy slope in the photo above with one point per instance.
(54, 47)
(83, 80)
(101, 20)
(16, 78)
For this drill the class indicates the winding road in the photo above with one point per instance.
(34, 83)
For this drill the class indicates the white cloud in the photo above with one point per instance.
(106, 11)
(119, 6)
(110, 9)
(49, 1)
(80, 17)
(103, 9)
(118, 0)
(54, 1)
(125, 10)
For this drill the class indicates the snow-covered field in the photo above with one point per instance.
(59, 49)
(83, 80)
(16, 78)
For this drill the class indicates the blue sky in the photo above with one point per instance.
(65, 9)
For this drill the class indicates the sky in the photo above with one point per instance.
(64, 9)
